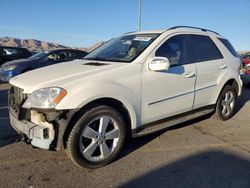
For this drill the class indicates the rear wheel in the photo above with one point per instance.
(226, 103)
(97, 137)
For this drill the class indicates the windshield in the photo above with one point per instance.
(38, 55)
(122, 49)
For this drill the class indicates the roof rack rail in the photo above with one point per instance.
(202, 29)
(129, 32)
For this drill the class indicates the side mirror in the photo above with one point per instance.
(159, 64)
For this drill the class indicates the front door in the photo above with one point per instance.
(171, 92)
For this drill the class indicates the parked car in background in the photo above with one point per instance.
(245, 59)
(245, 76)
(133, 85)
(38, 60)
(12, 53)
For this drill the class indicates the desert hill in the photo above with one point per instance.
(36, 45)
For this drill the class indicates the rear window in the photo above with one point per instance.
(202, 48)
(229, 46)
(246, 57)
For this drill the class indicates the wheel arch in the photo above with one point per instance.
(232, 82)
(111, 102)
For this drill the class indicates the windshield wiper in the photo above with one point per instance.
(103, 59)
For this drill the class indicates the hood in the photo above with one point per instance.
(61, 73)
(18, 62)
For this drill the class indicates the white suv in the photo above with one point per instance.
(133, 85)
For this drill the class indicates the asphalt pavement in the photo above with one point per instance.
(201, 153)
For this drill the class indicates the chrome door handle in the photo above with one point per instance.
(223, 66)
(190, 75)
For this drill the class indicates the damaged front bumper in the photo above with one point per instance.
(39, 132)
(43, 128)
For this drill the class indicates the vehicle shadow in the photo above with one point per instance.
(208, 169)
(7, 134)
(243, 99)
(136, 143)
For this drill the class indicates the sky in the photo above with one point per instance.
(82, 23)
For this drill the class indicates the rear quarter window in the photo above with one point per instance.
(229, 46)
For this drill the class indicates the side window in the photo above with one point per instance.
(76, 55)
(62, 56)
(10, 51)
(58, 56)
(175, 49)
(72, 55)
(202, 48)
(229, 46)
(2, 52)
(52, 56)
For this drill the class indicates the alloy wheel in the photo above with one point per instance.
(228, 103)
(99, 138)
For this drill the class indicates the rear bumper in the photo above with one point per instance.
(39, 136)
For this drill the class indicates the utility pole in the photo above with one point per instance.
(139, 16)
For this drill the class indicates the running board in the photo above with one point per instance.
(163, 124)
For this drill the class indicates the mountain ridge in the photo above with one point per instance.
(39, 45)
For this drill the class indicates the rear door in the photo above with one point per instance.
(210, 68)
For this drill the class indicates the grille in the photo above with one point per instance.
(16, 100)
(18, 95)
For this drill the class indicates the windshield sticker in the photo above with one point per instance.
(127, 42)
(146, 39)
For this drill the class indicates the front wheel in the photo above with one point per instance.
(226, 103)
(97, 137)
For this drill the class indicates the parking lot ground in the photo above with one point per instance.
(201, 153)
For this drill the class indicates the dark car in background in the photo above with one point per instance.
(12, 53)
(38, 60)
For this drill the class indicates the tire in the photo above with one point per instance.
(97, 137)
(225, 106)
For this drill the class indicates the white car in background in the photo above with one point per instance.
(133, 85)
